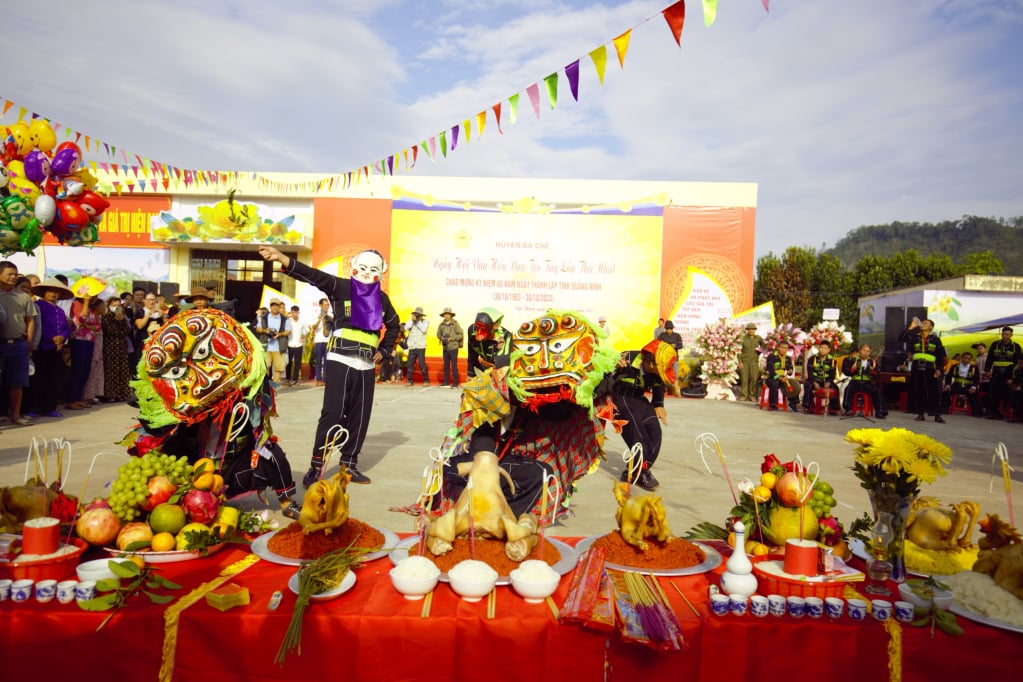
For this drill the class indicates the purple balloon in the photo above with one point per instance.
(65, 162)
(37, 166)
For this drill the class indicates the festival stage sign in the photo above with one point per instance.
(232, 221)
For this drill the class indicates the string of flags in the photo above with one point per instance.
(135, 172)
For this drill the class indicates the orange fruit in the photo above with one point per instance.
(761, 550)
(204, 465)
(163, 542)
(761, 494)
(137, 560)
(768, 480)
(204, 481)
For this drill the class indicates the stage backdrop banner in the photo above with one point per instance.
(125, 223)
(525, 264)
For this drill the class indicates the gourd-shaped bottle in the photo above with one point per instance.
(738, 577)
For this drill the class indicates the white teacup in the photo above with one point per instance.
(882, 609)
(797, 606)
(46, 590)
(759, 606)
(21, 590)
(857, 609)
(814, 607)
(776, 604)
(834, 607)
(738, 604)
(5, 589)
(66, 591)
(85, 590)
(719, 604)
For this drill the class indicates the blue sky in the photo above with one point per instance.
(845, 113)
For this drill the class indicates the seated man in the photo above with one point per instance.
(820, 374)
(860, 369)
(781, 375)
(1016, 392)
(962, 379)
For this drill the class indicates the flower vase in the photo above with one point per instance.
(897, 506)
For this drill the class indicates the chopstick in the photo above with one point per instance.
(685, 599)
(554, 608)
(491, 603)
(427, 601)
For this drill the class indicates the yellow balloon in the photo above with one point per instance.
(42, 135)
(22, 139)
(85, 176)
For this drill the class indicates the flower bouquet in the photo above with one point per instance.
(891, 466)
(789, 333)
(720, 343)
(830, 331)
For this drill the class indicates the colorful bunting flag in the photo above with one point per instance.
(572, 71)
(534, 97)
(497, 117)
(466, 126)
(443, 144)
(599, 59)
(513, 103)
(454, 137)
(481, 123)
(676, 17)
(622, 44)
(710, 11)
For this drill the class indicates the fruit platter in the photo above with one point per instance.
(161, 508)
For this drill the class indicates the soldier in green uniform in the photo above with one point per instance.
(749, 366)
(928, 360)
(1001, 359)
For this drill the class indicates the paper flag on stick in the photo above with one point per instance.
(622, 46)
(534, 98)
(572, 71)
(551, 83)
(599, 57)
(676, 17)
(710, 11)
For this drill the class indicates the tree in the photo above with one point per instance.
(984, 263)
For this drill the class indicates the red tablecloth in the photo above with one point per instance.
(372, 633)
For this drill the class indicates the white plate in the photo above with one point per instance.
(346, 584)
(980, 618)
(860, 551)
(569, 557)
(260, 548)
(712, 561)
(171, 557)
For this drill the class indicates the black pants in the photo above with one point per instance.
(808, 396)
(998, 390)
(293, 371)
(644, 427)
(43, 393)
(923, 387)
(959, 389)
(417, 355)
(348, 401)
(528, 475)
(789, 388)
(240, 476)
(451, 366)
(870, 388)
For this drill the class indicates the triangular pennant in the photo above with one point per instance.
(78, 137)
(444, 144)
(676, 17)
(404, 155)
(415, 155)
(622, 43)
(481, 123)
(454, 137)
(433, 148)
(497, 117)
(390, 165)
(572, 71)
(142, 185)
(86, 143)
(551, 83)
(766, 3)
(466, 127)
(599, 58)
(513, 103)
(710, 11)
(21, 112)
(7, 107)
(534, 97)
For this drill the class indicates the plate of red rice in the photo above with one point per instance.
(676, 556)
(290, 546)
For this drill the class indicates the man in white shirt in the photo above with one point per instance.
(296, 345)
(416, 329)
(321, 335)
(277, 327)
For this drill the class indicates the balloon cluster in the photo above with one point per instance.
(43, 187)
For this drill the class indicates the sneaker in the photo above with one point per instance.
(793, 408)
(311, 476)
(647, 481)
(773, 409)
(356, 476)
(920, 418)
(939, 419)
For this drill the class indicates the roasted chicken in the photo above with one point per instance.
(640, 519)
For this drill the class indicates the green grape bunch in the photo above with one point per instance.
(823, 499)
(129, 490)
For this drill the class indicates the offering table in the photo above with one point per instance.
(372, 633)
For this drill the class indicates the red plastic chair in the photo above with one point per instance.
(862, 403)
(959, 404)
(821, 398)
(765, 392)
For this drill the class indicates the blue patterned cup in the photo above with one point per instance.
(814, 607)
(719, 604)
(66, 591)
(857, 609)
(5, 589)
(46, 590)
(759, 606)
(834, 607)
(882, 609)
(738, 604)
(797, 607)
(776, 604)
(21, 590)
(85, 590)
(904, 612)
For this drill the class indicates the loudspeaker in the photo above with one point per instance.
(168, 289)
(150, 287)
(894, 324)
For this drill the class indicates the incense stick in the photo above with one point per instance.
(491, 603)
(554, 608)
(686, 600)
(425, 613)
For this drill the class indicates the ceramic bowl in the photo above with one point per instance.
(347, 583)
(942, 598)
(535, 584)
(97, 569)
(415, 577)
(472, 580)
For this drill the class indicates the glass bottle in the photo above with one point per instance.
(879, 568)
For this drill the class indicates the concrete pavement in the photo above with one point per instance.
(407, 422)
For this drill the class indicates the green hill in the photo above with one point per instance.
(955, 238)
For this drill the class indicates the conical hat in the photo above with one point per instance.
(63, 293)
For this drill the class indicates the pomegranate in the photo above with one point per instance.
(133, 533)
(98, 503)
(201, 506)
(98, 525)
(792, 488)
(160, 490)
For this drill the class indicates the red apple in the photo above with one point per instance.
(792, 488)
(98, 525)
(160, 490)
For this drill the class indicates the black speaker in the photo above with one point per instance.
(168, 289)
(150, 287)
(894, 324)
